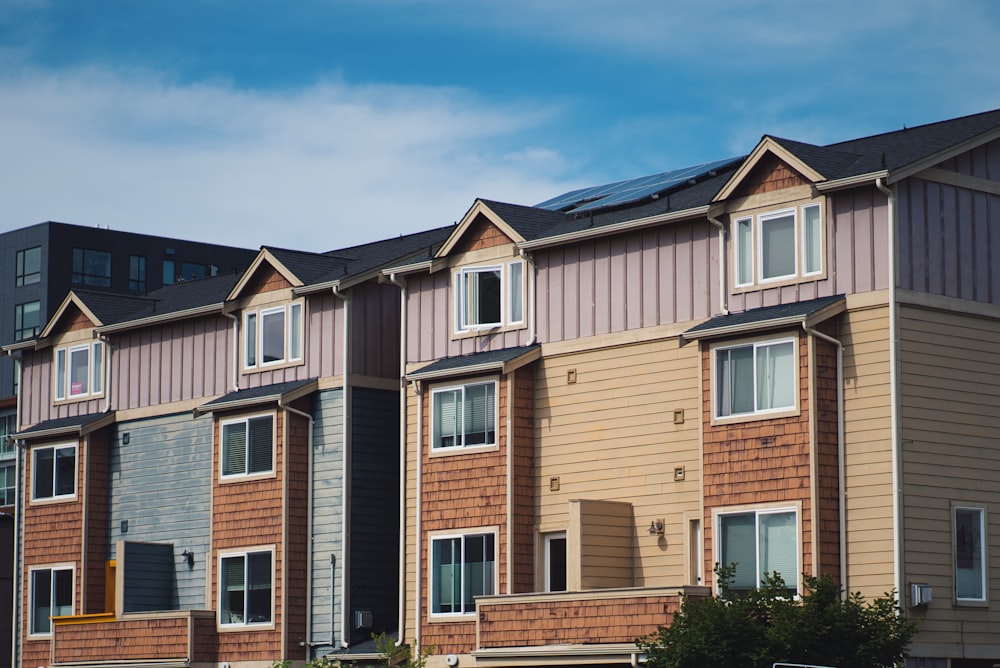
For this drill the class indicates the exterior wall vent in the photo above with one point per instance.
(920, 594)
(363, 619)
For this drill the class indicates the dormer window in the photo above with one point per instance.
(778, 246)
(489, 296)
(79, 371)
(273, 335)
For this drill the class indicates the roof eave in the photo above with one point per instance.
(429, 266)
(501, 367)
(614, 228)
(808, 321)
(161, 317)
(236, 404)
(942, 155)
(69, 430)
(851, 181)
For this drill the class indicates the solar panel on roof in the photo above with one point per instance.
(630, 190)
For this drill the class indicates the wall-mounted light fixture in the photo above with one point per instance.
(188, 557)
(657, 528)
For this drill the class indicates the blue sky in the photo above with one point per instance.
(320, 124)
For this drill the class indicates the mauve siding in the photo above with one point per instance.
(36, 404)
(947, 235)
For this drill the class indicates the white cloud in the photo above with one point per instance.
(316, 168)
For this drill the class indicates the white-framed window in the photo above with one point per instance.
(248, 446)
(79, 371)
(759, 542)
(555, 561)
(53, 472)
(755, 378)
(272, 336)
(970, 554)
(463, 566)
(778, 245)
(246, 587)
(464, 416)
(489, 296)
(52, 592)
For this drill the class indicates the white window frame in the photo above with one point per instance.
(246, 473)
(983, 556)
(62, 370)
(462, 388)
(743, 258)
(253, 334)
(432, 575)
(52, 568)
(754, 273)
(245, 553)
(756, 345)
(757, 513)
(547, 540)
(55, 448)
(506, 297)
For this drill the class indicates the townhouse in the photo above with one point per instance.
(211, 469)
(785, 361)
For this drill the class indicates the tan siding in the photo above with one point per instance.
(606, 542)
(949, 365)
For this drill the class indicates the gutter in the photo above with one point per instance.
(345, 564)
(897, 445)
(401, 593)
(851, 181)
(723, 273)
(623, 226)
(161, 317)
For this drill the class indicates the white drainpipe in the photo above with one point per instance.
(236, 349)
(723, 274)
(419, 526)
(345, 565)
(401, 621)
(530, 289)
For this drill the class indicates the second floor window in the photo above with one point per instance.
(137, 273)
(8, 478)
(464, 416)
(91, 267)
(755, 378)
(248, 446)
(273, 335)
(778, 246)
(28, 266)
(79, 371)
(245, 588)
(53, 472)
(760, 543)
(27, 320)
(463, 567)
(489, 296)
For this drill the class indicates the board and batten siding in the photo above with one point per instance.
(868, 450)
(161, 483)
(611, 436)
(948, 235)
(327, 511)
(949, 394)
(36, 397)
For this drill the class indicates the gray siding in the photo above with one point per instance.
(149, 576)
(327, 512)
(161, 483)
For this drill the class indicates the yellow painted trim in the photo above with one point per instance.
(96, 618)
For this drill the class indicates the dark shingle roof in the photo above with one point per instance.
(70, 425)
(530, 222)
(261, 395)
(488, 359)
(765, 316)
(110, 307)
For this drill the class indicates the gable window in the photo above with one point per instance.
(245, 588)
(248, 446)
(464, 416)
(273, 335)
(51, 596)
(79, 371)
(970, 554)
(759, 543)
(489, 296)
(462, 568)
(27, 320)
(755, 378)
(28, 266)
(778, 245)
(53, 472)
(91, 267)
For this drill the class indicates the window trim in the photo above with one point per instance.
(755, 256)
(245, 419)
(436, 450)
(52, 568)
(19, 328)
(20, 275)
(290, 346)
(244, 553)
(547, 539)
(756, 342)
(983, 555)
(459, 297)
(84, 278)
(757, 511)
(55, 498)
(95, 371)
(462, 534)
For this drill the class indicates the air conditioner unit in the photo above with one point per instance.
(363, 619)
(920, 594)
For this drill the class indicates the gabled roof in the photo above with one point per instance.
(806, 313)
(79, 425)
(501, 361)
(256, 396)
(518, 221)
(101, 308)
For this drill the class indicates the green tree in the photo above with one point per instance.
(757, 628)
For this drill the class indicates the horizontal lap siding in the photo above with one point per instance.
(141, 640)
(610, 436)
(161, 483)
(950, 366)
(327, 511)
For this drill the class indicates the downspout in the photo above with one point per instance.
(18, 506)
(723, 274)
(401, 604)
(419, 527)
(841, 469)
(345, 564)
(107, 371)
(533, 327)
(236, 349)
(510, 482)
(309, 523)
(897, 454)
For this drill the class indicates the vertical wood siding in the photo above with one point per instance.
(96, 549)
(375, 330)
(327, 509)
(950, 390)
(523, 493)
(294, 582)
(949, 236)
